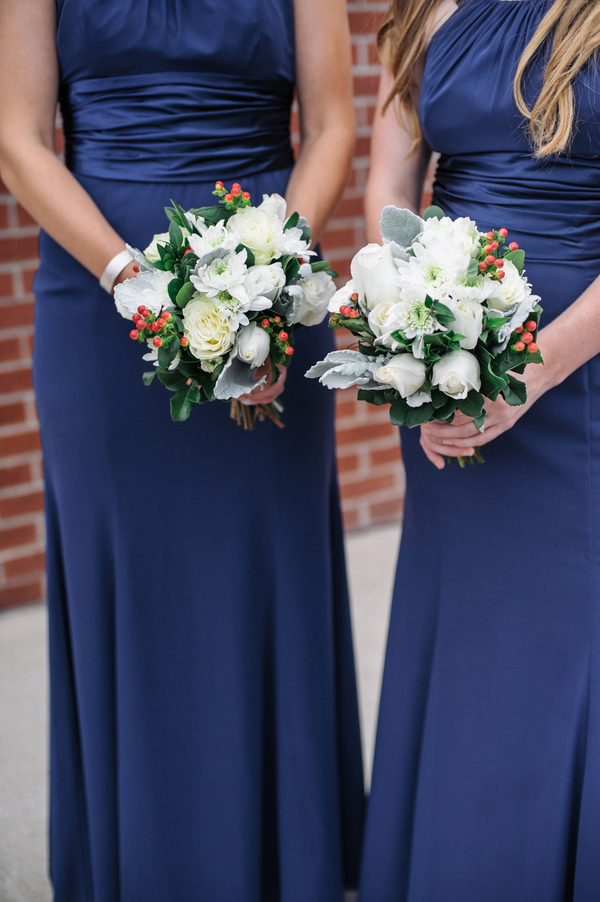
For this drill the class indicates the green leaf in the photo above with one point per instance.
(472, 271)
(213, 214)
(184, 294)
(320, 266)
(443, 314)
(291, 222)
(438, 398)
(168, 352)
(148, 377)
(181, 405)
(292, 269)
(433, 212)
(480, 420)
(174, 287)
(472, 405)
(446, 412)
(373, 397)
(180, 217)
(518, 258)
(175, 234)
(170, 212)
(398, 412)
(515, 393)
(332, 273)
(415, 416)
(173, 379)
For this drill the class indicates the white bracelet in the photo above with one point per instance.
(114, 268)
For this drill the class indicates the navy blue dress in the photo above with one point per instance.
(205, 741)
(487, 767)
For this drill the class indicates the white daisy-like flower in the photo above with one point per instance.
(432, 269)
(225, 275)
(413, 318)
(211, 237)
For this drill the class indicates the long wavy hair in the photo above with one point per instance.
(573, 26)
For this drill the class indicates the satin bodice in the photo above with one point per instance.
(487, 168)
(193, 89)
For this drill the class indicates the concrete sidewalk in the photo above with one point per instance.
(24, 721)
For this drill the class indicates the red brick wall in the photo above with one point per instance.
(371, 473)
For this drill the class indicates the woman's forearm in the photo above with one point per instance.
(56, 200)
(319, 176)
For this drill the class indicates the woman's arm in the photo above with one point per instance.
(567, 343)
(324, 86)
(28, 164)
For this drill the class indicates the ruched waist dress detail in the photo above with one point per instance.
(486, 785)
(204, 729)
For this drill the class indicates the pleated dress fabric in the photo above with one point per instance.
(486, 783)
(204, 730)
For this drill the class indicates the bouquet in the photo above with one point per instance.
(219, 295)
(443, 318)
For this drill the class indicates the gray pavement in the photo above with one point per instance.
(24, 722)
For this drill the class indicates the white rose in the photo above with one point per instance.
(208, 328)
(149, 288)
(384, 319)
(272, 276)
(317, 290)
(259, 231)
(403, 373)
(151, 253)
(274, 204)
(375, 275)
(456, 373)
(462, 231)
(253, 345)
(468, 321)
(341, 297)
(511, 290)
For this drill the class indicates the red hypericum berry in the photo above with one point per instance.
(277, 319)
(218, 185)
(136, 267)
(134, 333)
(483, 266)
(283, 336)
(184, 341)
(499, 262)
(236, 189)
(354, 314)
(141, 308)
(490, 259)
(503, 232)
(519, 346)
(518, 330)
(344, 310)
(245, 195)
(527, 337)
(531, 325)
(161, 322)
(513, 246)
(157, 342)
(155, 327)
(289, 351)
(489, 234)
(354, 297)
(140, 326)
(264, 322)
(500, 274)
(146, 314)
(228, 197)
(532, 347)
(166, 314)
(488, 248)
(136, 317)
(494, 244)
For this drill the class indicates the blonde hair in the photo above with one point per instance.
(573, 26)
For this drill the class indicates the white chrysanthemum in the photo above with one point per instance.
(432, 269)
(462, 231)
(292, 242)
(225, 275)
(412, 317)
(211, 237)
(148, 288)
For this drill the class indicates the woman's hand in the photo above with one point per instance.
(265, 393)
(461, 437)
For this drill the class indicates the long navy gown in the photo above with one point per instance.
(487, 768)
(205, 741)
